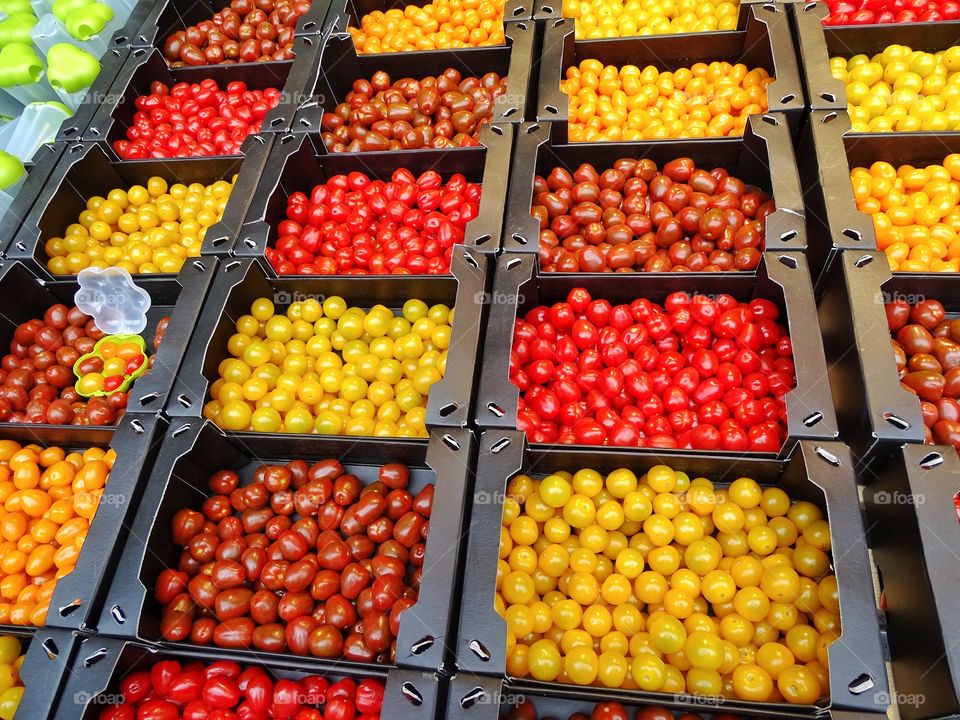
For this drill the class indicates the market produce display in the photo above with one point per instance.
(870, 12)
(445, 111)
(37, 380)
(622, 18)
(195, 120)
(356, 225)
(244, 31)
(223, 688)
(915, 211)
(698, 372)
(332, 369)
(901, 89)
(51, 495)
(610, 103)
(637, 216)
(666, 583)
(305, 559)
(437, 25)
(143, 229)
(926, 345)
(611, 710)
(657, 521)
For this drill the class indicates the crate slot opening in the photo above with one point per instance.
(94, 657)
(854, 235)
(789, 261)
(231, 266)
(137, 426)
(448, 409)
(788, 235)
(50, 648)
(422, 645)
(828, 96)
(552, 109)
(789, 97)
(70, 608)
(770, 119)
(180, 430)
(500, 445)
(117, 613)
(472, 697)
(813, 418)
(479, 649)
(513, 110)
(512, 263)
(185, 401)
(828, 118)
(518, 11)
(897, 421)
(149, 398)
(828, 456)
(410, 692)
(519, 238)
(451, 442)
(861, 683)
(931, 460)
(495, 410)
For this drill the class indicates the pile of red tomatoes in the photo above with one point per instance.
(926, 345)
(194, 120)
(225, 689)
(333, 583)
(871, 12)
(698, 372)
(355, 225)
(636, 216)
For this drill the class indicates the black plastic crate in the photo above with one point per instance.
(146, 65)
(764, 41)
(914, 533)
(239, 282)
(178, 297)
(875, 413)
(165, 17)
(136, 442)
(88, 169)
(488, 698)
(519, 286)
(326, 81)
(828, 151)
(49, 653)
(835, 223)
(763, 157)
(38, 170)
(297, 163)
(817, 43)
(100, 664)
(194, 450)
(819, 472)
